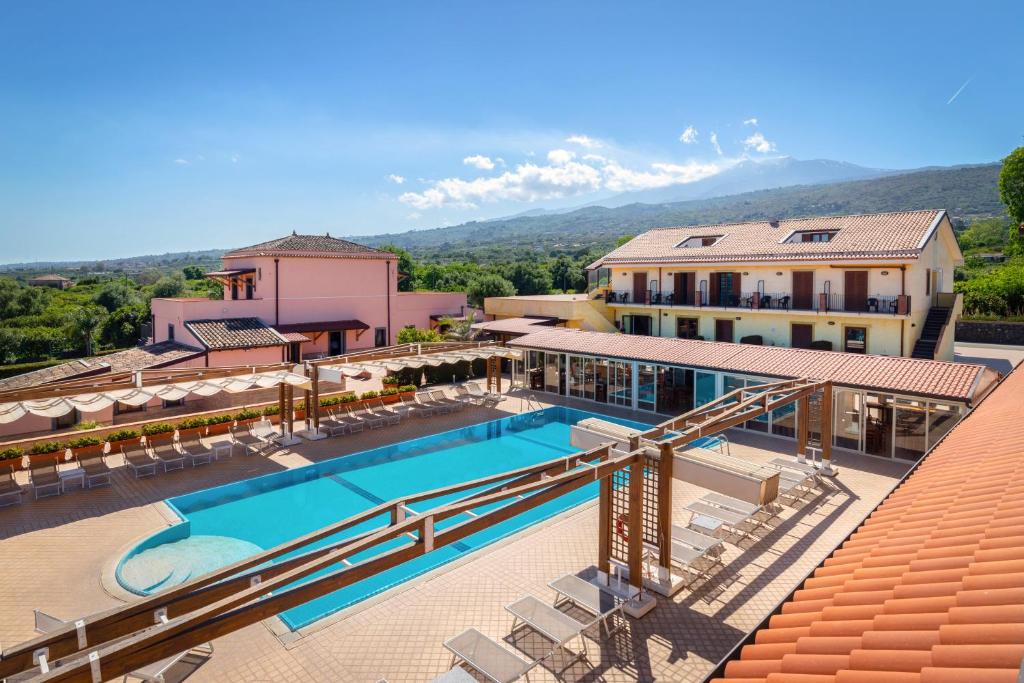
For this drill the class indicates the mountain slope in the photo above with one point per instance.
(968, 192)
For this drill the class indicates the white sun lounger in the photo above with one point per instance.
(369, 419)
(249, 441)
(442, 398)
(138, 460)
(389, 416)
(486, 396)
(590, 597)
(339, 423)
(553, 624)
(196, 451)
(488, 657)
(164, 451)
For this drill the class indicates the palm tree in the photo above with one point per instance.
(460, 329)
(84, 322)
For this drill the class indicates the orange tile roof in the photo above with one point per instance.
(957, 381)
(898, 235)
(930, 588)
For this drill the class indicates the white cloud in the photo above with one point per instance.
(396, 179)
(182, 162)
(479, 161)
(688, 136)
(560, 157)
(758, 143)
(621, 179)
(714, 143)
(584, 141)
(752, 121)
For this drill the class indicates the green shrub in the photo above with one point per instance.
(390, 379)
(348, 398)
(86, 424)
(123, 435)
(407, 387)
(11, 453)
(192, 423)
(369, 394)
(389, 391)
(247, 414)
(272, 409)
(219, 419)
(46, 447)
(157, 428)
(84, 441)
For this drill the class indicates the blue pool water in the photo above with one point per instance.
(226, 523)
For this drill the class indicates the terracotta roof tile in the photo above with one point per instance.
(959, 381)
(234, 333)
(866, 236)
(310, 245)
(930, 588)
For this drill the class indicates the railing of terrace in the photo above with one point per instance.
(780, 301)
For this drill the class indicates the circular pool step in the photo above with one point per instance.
(171, 564)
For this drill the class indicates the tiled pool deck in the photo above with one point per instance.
(56, 550)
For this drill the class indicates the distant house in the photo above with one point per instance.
(52, 280)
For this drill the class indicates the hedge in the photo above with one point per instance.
(84, 441)
(157, 428)
(11, 453)
(46, 447)
(123, 435)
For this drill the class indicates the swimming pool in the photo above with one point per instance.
(227, 523)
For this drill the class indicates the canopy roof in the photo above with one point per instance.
(335, 373)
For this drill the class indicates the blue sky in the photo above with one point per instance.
(145, 127)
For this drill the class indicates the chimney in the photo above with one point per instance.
(774, 223)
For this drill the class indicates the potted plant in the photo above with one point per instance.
(218, 424)
(247, 415)
(122, 437)
(191, 426)
(156, 428)
(45, 450)
(86, 445)
(407, 390)
(11, 457)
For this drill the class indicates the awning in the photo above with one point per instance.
(335, 373)
(231, 273)
(294, 337)
(91, 402)
(326, 326)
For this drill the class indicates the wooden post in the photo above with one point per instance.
(635, 544)
(826, 427)
(665, 509)
(803, 427)
(291, 409)
(604, 527)
(282, 405)
(314, 403)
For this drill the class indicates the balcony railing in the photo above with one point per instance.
(778, 301)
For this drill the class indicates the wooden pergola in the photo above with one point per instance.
(112, 643)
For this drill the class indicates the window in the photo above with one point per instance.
(699, 241)
(552, 373)
(801, 335)
(637, 324)
(176, 403)
(250, 288)
(170, 331)
(811, 236)
(122, 408)
(380, 336)
(66, 420)
(686, 328)
(645, 387)
(856, 340)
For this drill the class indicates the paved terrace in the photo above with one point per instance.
(56, 550)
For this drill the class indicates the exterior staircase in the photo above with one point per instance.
(938, 318)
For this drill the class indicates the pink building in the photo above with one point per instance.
(289, 299)
(300, 296)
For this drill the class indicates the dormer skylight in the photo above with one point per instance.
(699, 241)
(801, 236)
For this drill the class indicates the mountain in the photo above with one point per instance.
(750, 175)
(968, 192)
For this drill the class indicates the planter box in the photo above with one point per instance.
(191, 431)
(88, 450)
(219, 428)
(37, 457)
(115, 446)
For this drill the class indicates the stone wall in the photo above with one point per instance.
(990, 332)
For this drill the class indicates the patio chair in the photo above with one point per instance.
(488, 657)
(264, 431)
(95, 470)
(42, 475)
(462, 394)
(487, 398)
(440, 397)
(165, 452)
(10, 491)
(194, 449)
(553, 624)
(339, 423)
(369, 419)
(590, 597)
(138, 460)
(415, 408)
(423, 398)
(390, 416)
(249, 442)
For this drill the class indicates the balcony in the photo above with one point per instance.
(758, 301)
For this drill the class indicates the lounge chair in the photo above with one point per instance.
(169, 456)
(423, 400)
(441, 397)
(264, 430)
(488, 657)
(194, 449)
(42, 475)
(553, 624)
(10, 491)
(486, 397)
(590, 597)
(390, 416)
(138, 460)
(418, 409)
(339, 423)
(249, 442)
(462, 394)
(369, 419)
(693, 553)
(94, 469)
(154, 673)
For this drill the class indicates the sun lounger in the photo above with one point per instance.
(42, 475)
(369, 419)
(339, 423)
(249, 442)
(710, 517)
(462, 394)
(138, 460)
(590, 597)
(807, 472)
(264, 431)
(94, 469)
(487, 397)
(417, 408)
(442, 398)
(487, 657)
(196, 451)
(390, 416)
(10, 491)
(729, 503)
(424, 399)
(170, 457)
(552, 623)
(455, 675)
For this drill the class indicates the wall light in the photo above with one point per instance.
(885, 272)
(745, 274)
(739, 318)
(778, 274)
(831, 322)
